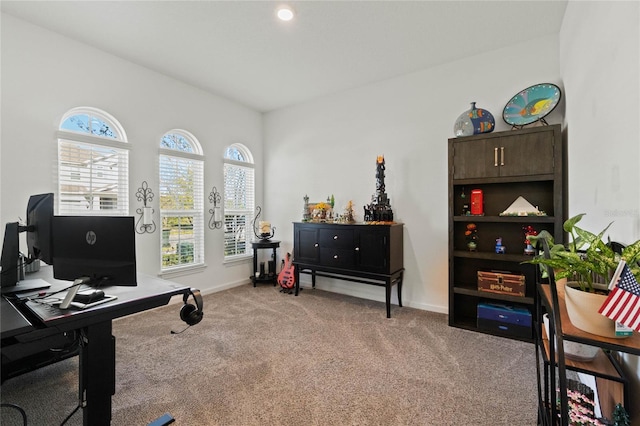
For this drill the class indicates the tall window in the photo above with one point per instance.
(239, 200)
(93, 164)
(181, 200)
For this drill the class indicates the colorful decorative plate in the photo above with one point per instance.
(531, 104)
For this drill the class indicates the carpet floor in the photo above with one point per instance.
(262, 357)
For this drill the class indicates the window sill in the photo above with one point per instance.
(237, 259)
(179, 271)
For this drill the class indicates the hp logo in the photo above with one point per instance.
(91, 238)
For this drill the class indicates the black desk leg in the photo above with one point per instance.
(97, 374)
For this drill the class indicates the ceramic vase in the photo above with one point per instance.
(474, 121)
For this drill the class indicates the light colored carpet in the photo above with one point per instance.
(261, 357)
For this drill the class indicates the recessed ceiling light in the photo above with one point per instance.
(285, 13)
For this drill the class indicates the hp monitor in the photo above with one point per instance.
(101, 248)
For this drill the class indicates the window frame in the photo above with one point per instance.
(93, 143)
(196, 158)
(230, 213)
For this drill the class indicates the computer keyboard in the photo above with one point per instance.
(47, 309)
(43, 310)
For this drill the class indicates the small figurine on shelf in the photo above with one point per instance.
(306, 215)
(348, 216)
(620, 416)
(465, 204)
(471, 235)
(500, 249)
(320, 212)
(529, 230)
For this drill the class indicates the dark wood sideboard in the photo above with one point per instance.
(363, 253)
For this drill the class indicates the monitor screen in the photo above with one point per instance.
(39, 224)
(10, 256)
(99, 247)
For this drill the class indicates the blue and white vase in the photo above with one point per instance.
(473, 122)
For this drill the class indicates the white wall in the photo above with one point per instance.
(599, 59)
(329, 146)
(600, 66)
(44, 75)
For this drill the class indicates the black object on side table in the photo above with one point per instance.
(263, 275)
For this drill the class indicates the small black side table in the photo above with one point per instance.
(270, 275)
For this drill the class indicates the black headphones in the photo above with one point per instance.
(190, 314)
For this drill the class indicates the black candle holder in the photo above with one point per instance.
(262, 235)
(215, 221)
(145, 223)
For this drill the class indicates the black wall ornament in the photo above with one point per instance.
(215, 221)
(145, 223)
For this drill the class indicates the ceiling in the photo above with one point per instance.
(239, 50)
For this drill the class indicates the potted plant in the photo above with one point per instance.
(587, 263)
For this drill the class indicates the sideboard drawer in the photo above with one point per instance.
(337, 258)
(336, 238)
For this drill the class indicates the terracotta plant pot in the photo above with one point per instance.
(583, 307)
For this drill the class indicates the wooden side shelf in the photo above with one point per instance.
(611, 382)
(629, 344)
(600, 366)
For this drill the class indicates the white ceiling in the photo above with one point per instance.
(239, 50)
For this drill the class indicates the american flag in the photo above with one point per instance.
(623, 303)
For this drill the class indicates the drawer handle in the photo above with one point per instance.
(315, 245)
(495, 157)
(357, 248)
(335, 256)
(335, 237)
(502, 155)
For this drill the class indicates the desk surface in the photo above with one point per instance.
(150, 292)
(12, 322)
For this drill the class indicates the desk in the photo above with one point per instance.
(94, 325)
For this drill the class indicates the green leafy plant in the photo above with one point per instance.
(587, 258)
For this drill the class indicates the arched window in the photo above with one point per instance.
(93, 164)
(239, 200)
(181, 200)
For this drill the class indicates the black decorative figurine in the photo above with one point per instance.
(380, 208)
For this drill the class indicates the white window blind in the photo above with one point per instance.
(93, 164)
(239, 205)
(92, 179)
(181, 211)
